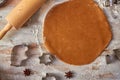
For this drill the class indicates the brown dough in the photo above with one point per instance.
(76, 31)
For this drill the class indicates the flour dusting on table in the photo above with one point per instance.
(98, 70)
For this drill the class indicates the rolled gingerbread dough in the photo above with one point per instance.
(76, 31)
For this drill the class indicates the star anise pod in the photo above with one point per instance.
(69, 74)
(27, 72)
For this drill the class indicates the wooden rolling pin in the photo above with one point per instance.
(20, 14)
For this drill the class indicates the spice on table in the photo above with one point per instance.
(27, 72)
(69, 74)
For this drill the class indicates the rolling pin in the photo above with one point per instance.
(20, 14)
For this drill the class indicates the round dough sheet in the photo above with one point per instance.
(76, 31)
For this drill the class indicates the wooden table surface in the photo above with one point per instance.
(32, 32)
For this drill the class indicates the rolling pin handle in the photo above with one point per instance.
(5, 30)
